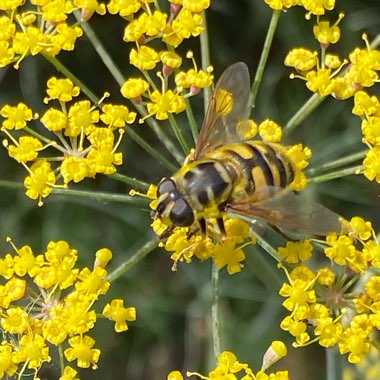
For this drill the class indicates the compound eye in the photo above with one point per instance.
(165, 186)
(181, 214)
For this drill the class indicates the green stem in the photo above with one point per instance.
(334, 364)
(206, 61)
(264, 56)
(102, 52)
(337, 163)
(178, 133)
(61, 359)
(134, 259)
(11, 185)
(59, 66)
(99, 196)
(311, 104)
(130, 181)
(153, 152)
(67, 73)
(338, 174)
(215, 323)
(191, 120)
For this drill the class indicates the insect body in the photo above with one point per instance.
(226, 174)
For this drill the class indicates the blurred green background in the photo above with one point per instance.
(172, 330)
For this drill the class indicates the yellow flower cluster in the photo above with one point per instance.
(316, 8)
(330, 75)
(323, 304)
(41, 27)
(227, 252)
(146, 23)
(230, 368)
(47, 302)
(83, 139)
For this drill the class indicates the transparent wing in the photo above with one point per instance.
(291, 211)
(228, 106)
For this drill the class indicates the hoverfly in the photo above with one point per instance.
(228, 175)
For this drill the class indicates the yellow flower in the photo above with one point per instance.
(275, 352)
(329, 332)
(196, 6)
(247, 129)
(33, 350)
(69, 374)
(61, 89)
(7, 28)
(295, 252)
(301, 59)
(40, 182)
(162, 104)
(103, 159)
(81, 350)
(187, 24)
(319, 81)
(16, 117)
(15, 321)
(67, 36)
(332, 61)
(318, 7)
(227, 254)
(372, 164)
(6, 53)
(103, 256)
(81, 117)
(134, 87)
(343, 87)
(371, 129)
(170, 59)
(365, 104)
(280, 4)
(26, 150)
(354, 343)
(270, 131)
(74, 169)
(118, 313)
(326, 34)
(123, 7)
(117, 116)
(341, 249)
(145, 58)
(54, 120)
(7, 364)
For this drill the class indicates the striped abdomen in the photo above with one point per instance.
(255, 166)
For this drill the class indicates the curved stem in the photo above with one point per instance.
(215, 323)
(337, 163)
(264, 56)
(206, 62)
(130, 181)
(191, 120)
(311, 104)
(99, 196)
(178, 133)
(338, 174)
(333, 365)
(134, 259)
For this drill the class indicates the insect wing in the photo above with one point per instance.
(290, 211)
(228, 106)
